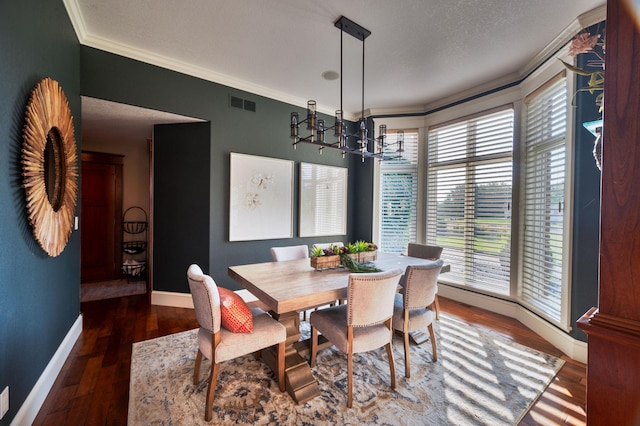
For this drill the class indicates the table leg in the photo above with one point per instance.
(299, 379)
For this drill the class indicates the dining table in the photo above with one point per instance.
(290, 287)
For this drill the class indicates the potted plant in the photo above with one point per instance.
(367, 251)
(325, 258)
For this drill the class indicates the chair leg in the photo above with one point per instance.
(407, 356)
(314, 346)
(436, 304)
(433, 342)
(281, 346)
(208, 411)
(350, 379)
(392, 364)
(407, 350)
(196, 368)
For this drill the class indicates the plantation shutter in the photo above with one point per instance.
(544, 183)
(469, 190)
(399, 194)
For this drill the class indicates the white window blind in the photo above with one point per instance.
(323, 200)
(399, 194)
(469, 191)
(544, 181)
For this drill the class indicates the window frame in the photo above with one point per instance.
(408, 125)
(469, 162)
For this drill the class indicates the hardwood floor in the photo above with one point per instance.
(93, 386)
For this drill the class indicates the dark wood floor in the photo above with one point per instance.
(93, 386)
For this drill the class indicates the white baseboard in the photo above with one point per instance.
(31, 406)
(184, 300)
(168, 298)
(573, 348)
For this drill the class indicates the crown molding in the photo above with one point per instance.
(86, 39)
(593, 16)
(76, 19)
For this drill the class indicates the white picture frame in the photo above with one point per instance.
(260, 198)
(323, 200)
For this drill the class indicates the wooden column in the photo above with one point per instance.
(613, 328)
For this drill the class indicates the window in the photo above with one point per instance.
(399, 194)
(469, 187)
(544, 181)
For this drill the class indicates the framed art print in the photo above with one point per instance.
(323, 200)
(261, 198)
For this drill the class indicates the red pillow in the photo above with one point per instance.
(234, 313)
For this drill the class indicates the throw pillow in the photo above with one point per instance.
(235, 315)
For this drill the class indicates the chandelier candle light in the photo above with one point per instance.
(317, 128)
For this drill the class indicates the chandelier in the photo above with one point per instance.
(318, 129)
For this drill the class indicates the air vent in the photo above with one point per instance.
(249, 106)
(236, 102)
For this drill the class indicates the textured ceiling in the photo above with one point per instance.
(420, 52)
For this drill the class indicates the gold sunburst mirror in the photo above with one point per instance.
(49, 166)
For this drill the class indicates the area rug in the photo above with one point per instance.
(111, 289)
(479, 379)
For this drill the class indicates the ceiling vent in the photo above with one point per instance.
(236, 102)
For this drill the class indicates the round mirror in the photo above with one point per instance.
(54, 169)
(49, 166)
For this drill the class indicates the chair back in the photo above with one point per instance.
(421, 284)
(327, 245)
(289, 253)
(424, 251)
(370, 297)
(206, 299)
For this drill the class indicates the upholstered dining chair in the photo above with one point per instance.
(424, 251)
(289, 253)
(219, 344)
(363, 324)
(411, 310)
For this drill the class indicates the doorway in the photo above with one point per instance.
(101, 230)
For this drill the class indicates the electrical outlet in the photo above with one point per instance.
(4, 402)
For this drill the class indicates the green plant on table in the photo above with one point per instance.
(317, 251)
(357, 267)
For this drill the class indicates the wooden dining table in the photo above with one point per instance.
(288, 287)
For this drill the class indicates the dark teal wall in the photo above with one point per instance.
(264, 133)
(39, 295)
(586, 199)
(181, 202)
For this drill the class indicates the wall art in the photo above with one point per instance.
(261, 198)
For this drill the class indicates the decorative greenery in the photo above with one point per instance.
(349, 248)
(590, 44)
(357, 267)
(317, 251)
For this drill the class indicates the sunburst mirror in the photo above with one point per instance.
(49, 166)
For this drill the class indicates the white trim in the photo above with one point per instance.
(86, 39)
(31, 406)
(184, 300)
(173, 299)
(573, 348)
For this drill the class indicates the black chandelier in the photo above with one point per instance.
(317, 127)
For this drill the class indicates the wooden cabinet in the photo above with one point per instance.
(613, 329)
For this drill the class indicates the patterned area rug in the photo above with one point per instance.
(479, 379)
